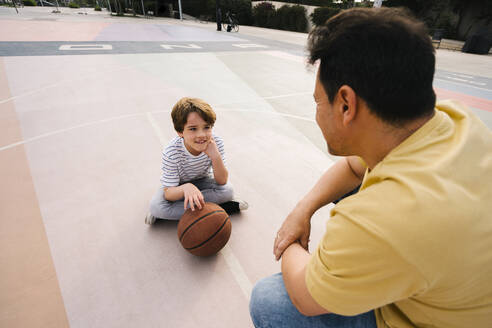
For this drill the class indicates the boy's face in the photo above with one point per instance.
(196, 134)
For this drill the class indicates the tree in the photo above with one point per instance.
(449, 15)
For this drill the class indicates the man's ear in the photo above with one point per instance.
(180, 134)
(347, 100)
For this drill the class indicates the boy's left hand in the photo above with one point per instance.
(212, 151)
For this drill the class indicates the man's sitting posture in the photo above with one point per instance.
(413, 247)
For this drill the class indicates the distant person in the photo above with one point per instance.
(230, 17)
(413, 247)
(193, 166)
(219, 19)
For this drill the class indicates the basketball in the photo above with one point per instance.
(204, 232)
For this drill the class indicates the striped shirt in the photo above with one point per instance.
(180, 166)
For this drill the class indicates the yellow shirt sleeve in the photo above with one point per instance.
(353, 270)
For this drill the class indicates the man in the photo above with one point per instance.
(413, 247)
(218, 16)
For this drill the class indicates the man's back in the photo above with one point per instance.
(418, 235)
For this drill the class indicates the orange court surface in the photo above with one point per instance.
(85, 104)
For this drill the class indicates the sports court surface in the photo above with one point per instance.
(84, 113)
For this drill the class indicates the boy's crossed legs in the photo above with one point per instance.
(160, 208)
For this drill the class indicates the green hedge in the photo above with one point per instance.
(29, 3)
(264, 15)
(290, 18)
(322, 14)
(73, 5)
(319, 3)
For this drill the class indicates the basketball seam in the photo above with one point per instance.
(204, 242)
(200, 218)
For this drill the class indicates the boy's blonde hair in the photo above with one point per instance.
(185, 106)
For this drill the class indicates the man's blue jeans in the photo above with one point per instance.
(271, 307)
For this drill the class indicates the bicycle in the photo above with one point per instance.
(231, 23)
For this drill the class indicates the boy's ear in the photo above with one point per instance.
(180, 134)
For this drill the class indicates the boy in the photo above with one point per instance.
(193, 166)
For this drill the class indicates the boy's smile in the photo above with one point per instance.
(196, 134)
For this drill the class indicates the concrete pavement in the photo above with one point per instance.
(81, 133)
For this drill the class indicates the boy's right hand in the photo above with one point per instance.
(192, 196)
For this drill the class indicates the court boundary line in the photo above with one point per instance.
(153, 122)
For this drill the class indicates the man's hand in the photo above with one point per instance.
(192, 196)
(296, 228)
(212, 151)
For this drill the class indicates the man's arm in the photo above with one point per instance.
(294, 262)
(344, 176)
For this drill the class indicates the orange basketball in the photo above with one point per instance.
(204, 232)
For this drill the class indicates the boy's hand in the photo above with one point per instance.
(192, 196)
(212, 151)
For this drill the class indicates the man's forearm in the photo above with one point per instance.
(333, 184)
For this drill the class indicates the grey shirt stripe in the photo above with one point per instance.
(179, 166)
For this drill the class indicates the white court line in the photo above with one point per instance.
(81, 78)
(30, 92)
(462, 75)
(304, 93)
(231, 260)
(462, 84)
(184, 46)
(270, 112)
(86, 47)
(161, 138)
(249, 45)
(286, 55)
(457, 79)
(67, 129)
(466, 81)
(156, 128)
(238, 271)
(103, 73)
(290, 95)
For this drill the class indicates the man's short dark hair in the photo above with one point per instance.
(384, 54)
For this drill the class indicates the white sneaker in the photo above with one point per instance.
(243, 205)
(149, 219)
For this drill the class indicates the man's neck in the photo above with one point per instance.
(384, 138)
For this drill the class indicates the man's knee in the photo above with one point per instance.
(264, 301)
(258, 307)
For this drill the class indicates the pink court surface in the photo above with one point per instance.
(84, 114)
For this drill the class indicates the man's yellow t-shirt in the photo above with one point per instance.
(415, 243)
